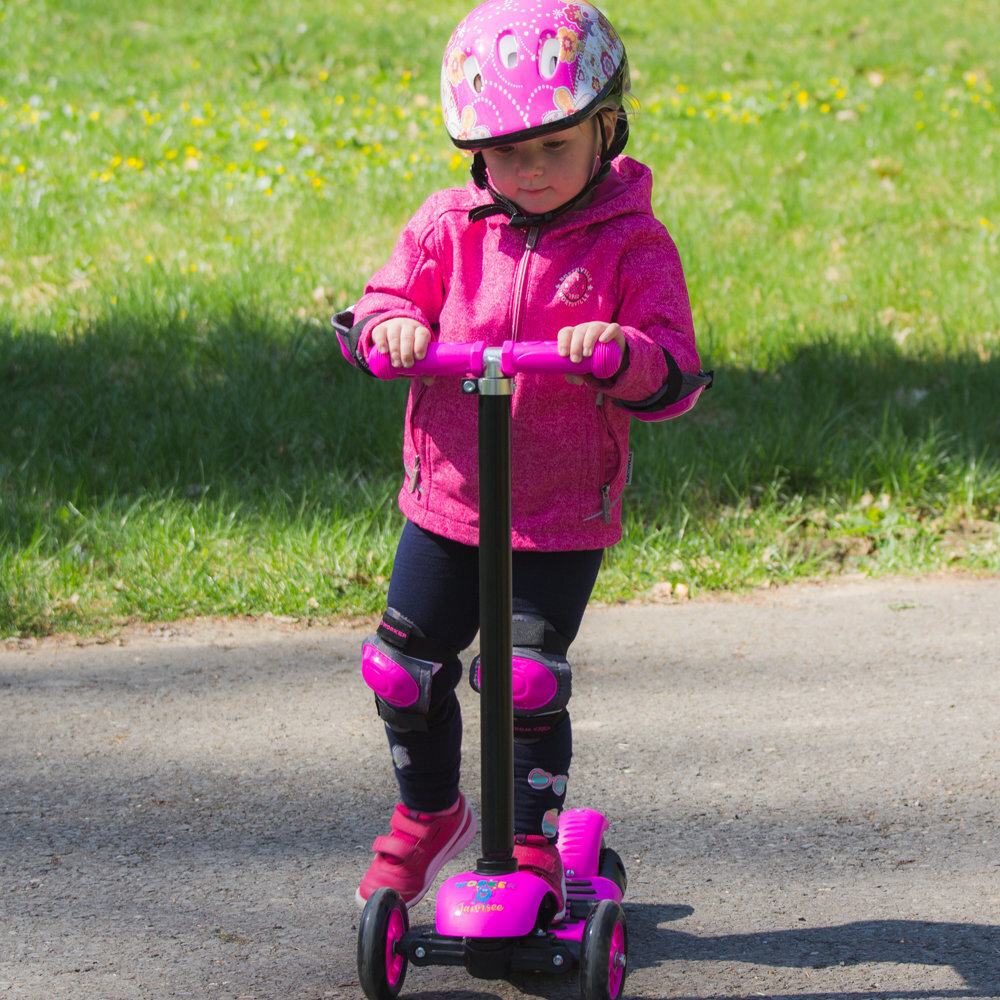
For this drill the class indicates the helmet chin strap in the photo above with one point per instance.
(502, 205)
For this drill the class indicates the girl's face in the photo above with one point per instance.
(539, 175)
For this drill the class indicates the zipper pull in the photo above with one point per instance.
(413, 476)
(606, 502)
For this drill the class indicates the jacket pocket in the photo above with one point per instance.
(413, 441)
(612, 450)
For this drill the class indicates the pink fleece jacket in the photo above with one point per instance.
(485, 280)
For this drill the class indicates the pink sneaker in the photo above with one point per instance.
(536, 855)
(419, 846)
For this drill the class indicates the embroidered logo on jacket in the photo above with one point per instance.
(574, 286)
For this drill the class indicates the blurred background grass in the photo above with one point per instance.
(188, 191)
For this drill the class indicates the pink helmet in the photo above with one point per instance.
(515, 69)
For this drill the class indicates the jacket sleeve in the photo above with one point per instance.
(664, 377)
(409, 285)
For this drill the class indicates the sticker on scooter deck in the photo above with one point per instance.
(471, 905)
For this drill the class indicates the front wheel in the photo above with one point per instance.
(381, 960)
(604, 953)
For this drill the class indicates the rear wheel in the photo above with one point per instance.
(612, 868)
(381, 961)
(604, 953)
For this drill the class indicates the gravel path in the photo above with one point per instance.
(802, 784)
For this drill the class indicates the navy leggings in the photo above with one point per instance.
(435, 584)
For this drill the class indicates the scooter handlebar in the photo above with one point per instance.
(539, 357)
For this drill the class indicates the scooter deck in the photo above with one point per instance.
(555, 949)
(494, 925)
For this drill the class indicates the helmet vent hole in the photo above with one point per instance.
(548, 57)
(507, 50)
(471, 70)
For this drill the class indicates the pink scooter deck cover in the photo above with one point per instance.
(506, 906)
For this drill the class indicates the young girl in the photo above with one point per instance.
(553, 239)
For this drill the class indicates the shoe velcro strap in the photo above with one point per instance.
(391, 846)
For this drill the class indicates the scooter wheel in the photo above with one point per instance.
(381, 961)
(613, 868)
(604, 952)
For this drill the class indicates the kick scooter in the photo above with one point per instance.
(496, 920)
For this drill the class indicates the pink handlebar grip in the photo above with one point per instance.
(441, 359)
(606, 360)
(540, 357)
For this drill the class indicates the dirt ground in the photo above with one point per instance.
(802, 783)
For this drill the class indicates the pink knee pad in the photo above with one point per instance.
(542, 682)
(402, 683)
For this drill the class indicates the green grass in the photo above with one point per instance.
(187, 191)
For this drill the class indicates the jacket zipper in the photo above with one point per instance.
(520, 278)
(605, 511)
(609, 441)
(412, 473)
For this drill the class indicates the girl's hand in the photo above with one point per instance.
(404, 340)
(577, 342)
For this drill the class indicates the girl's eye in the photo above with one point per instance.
(555, 144)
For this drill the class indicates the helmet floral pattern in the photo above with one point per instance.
(570, 44)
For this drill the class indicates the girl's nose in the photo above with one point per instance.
(529, 163)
